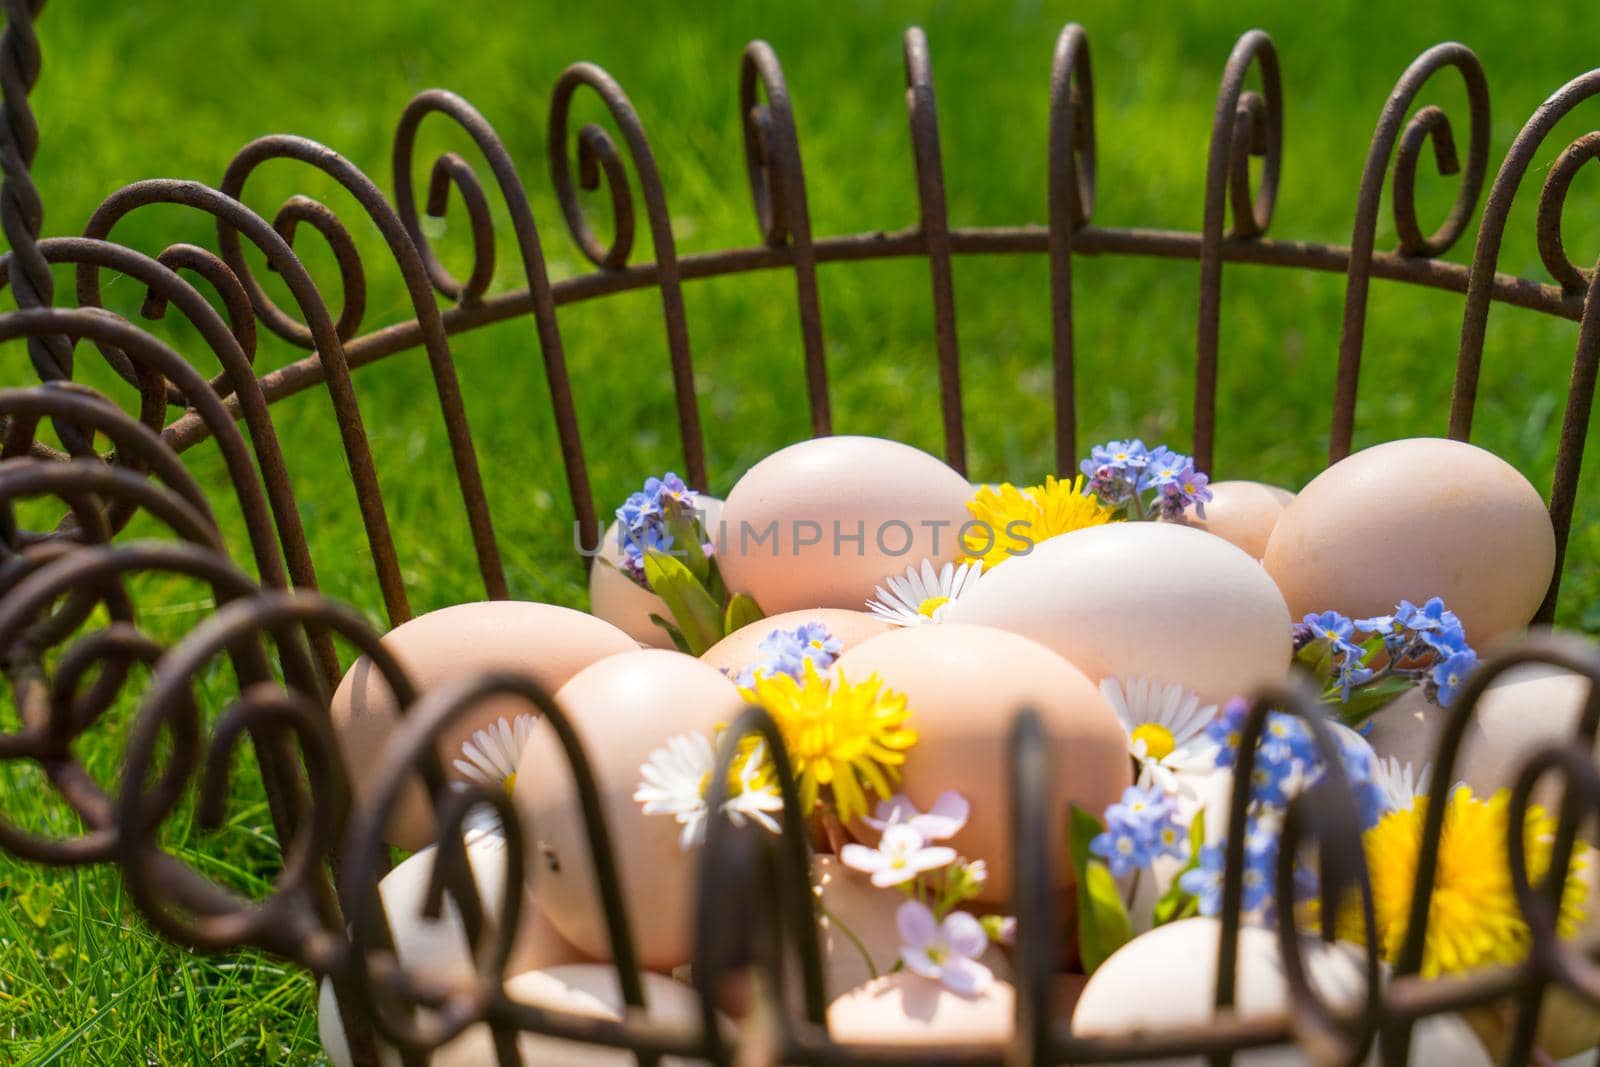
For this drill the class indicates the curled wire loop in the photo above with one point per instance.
(1246, 124)
(413, 272)
(53, 713)
(1568, 964)
(233, 344)
(235, 301)
(288, 726)
(387, 990)
(266, 502)
(1480, 285)
(1428, 125)
(1328, 816)
(70, 670)
(1072, 188)
(1566, 652)
(783, 213)
(238, 219)
(598, 155)
(1540, 902)
(147, 351)
(136, 447)
(458, 172)
(1491, 233)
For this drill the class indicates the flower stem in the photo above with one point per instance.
(850, 936)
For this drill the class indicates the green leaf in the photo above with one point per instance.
(1103, 924)
(742, 611)
(686, 544)
(714, 583)
(1085, 827)
(1317, 657)
(1175, 903)
(672, 632)
(1371, 699)
(1109, 928)
(696, 615)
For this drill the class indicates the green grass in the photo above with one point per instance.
(163, 89)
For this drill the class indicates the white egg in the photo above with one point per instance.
(1142, 599)
(624, 603)
(906, 1009)
(1166, 980)
(587, 990)
(439, 946)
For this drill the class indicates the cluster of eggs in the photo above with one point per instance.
(810, 532)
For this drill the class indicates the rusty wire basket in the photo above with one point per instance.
(277, 631)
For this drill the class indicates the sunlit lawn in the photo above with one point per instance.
(165, 89)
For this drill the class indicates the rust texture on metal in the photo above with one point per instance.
(73, 648)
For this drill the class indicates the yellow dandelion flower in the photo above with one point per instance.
(841, 736)
(1473, 919)
(1013, 519)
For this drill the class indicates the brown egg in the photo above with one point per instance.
(548, 643)
(964, 685)
(439, 946)
(1523, 710)
(1142, 599)
(1415, 519)
(823, 522)
(907, 1009)
(584, 990)
(739, 649)
(621, 601)
(858, 917)
(623, 709)
(1243, 514)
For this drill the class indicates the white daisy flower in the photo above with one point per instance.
(922, 595)
(754, 800)
(481, 826)
(493, 752)
(1166, 727)
(675, 781)
(1401, 782)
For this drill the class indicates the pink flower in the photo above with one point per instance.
(947, 952)
(942, 821)
(901, 855)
